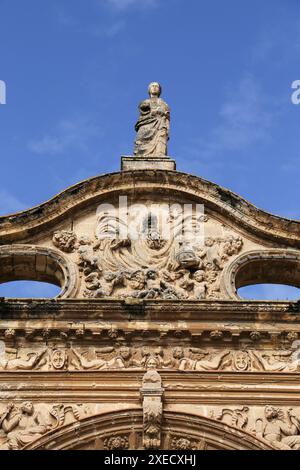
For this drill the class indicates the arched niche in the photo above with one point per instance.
(33, 263)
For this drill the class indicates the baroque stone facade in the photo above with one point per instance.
(148, 345)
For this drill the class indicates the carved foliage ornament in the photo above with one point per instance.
(183, 443)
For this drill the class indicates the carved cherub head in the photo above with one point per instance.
(209, 242)
(154, 90)
(125, 352)
(178, 352)
(152, 363)
(151, 273)
(199, 275)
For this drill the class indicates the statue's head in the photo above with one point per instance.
(209, 242)
(154, 89)
(27, 407)
(271, 412)
(178, 352)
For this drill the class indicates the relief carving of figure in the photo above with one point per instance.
(181, 443)
(281, 432)
(200, 285)
(88, 260)
(241, 361)
(178, 357)
(153, 285)
(153, 125)
(123, 360)
(203, 360)
(136, 280)
(211, 253)
(232, 246)
(152, 267)
(81, 361)
(238, 417)
(33, 360)
(22, 425)
(284, 361)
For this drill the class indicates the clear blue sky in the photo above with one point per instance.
(76, 70)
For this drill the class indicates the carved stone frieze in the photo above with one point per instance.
(190, 359)
(23, 425)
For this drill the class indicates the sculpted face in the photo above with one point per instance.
(27, 407)
(271, 412)
(151, 274)
(152, 363)
(154, 89)
(239, 243)
(125, 353)
(199, 276)
(209, 242)
(178, 353)
(241, 361)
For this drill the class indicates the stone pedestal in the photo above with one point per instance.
(158, 163)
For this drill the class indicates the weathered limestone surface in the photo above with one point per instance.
(148, 345)
(154, 163)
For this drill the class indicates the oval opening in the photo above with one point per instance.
(269, 292)
(28, 290)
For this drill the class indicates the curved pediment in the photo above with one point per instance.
(229, 205)
(144, 234)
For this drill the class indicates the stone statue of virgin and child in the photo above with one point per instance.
(153, 126)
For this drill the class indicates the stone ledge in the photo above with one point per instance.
(135, 163)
